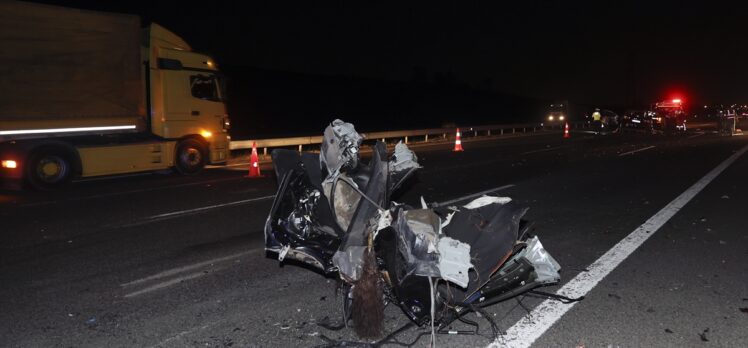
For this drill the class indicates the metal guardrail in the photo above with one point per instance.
(405, 135)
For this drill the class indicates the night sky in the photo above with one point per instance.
(592, 53)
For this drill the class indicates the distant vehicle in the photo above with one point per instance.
(728, 120)
(669, 116)
(557, 114)
(90, 93)
(603, 121)
(639, 119)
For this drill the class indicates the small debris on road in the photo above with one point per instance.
(614, 296)
(722, 242)
(668, 331)
(703, 335)
(744, 310)
(725, 197)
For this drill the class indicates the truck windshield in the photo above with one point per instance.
(208, 87)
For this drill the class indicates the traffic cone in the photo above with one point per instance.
(458, 142)
(566, 130)
(254, 165)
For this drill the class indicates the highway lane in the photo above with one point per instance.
(91, 266)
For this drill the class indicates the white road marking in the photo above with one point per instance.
(695, 135)
(227, 165)
(166, 284)
(464, 198)
(210, 207)
(175, 214)
(178, 270)
(119, 176)
(542, 317)
(183, 333)
(637, 150)
(543, 150)
(119, 193)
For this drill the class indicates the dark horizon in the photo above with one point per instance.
(616, 56)
(592, 53)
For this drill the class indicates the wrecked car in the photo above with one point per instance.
(437, 262)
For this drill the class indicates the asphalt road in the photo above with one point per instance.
(163, 260)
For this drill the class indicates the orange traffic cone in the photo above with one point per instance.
(458, 142)
(254, 165)
(566, 130)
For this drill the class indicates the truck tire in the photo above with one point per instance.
(49, 168)
(191, 157)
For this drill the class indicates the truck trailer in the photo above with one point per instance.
(87, 93)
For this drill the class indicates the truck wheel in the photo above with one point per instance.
(191, 157)
(49, 169)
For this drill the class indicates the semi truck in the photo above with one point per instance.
(86, 93)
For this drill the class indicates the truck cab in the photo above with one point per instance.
(557, 114)
(187, 99)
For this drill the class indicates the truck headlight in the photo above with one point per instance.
(10, 164)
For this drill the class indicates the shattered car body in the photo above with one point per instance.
(332, 211)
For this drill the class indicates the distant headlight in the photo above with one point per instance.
(561, 118)
(550, 118)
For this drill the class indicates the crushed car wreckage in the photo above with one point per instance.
(334, 213)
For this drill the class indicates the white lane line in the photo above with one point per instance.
(175, 214)
(166, 284)
(102, 178)
(474, 195)
(130, 192)
(186, 332)
(637, 150)
(210, 207)
(178, 270)
(172, 272)
(694, 136)
(543, 150)
(542, 317)
(227, 165)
